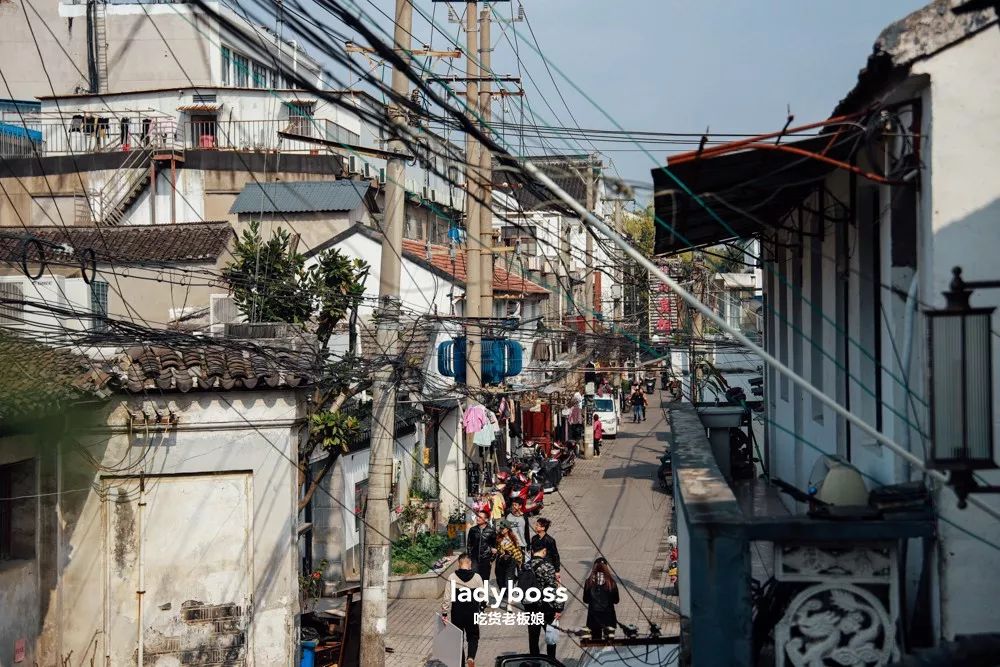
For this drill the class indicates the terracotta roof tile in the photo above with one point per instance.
(503, 281)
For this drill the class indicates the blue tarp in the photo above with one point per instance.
(10, 130)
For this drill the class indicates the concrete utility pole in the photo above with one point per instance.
(473, 236)
(588, 289)
(697, 326)
(375, 576)
(486, 162)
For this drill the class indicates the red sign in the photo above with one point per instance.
(20, 650)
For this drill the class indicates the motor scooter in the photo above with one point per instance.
(527, 493)
(665, 473)
(565, 453)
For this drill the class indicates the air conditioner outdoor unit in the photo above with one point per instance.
(427, 192)
(354, 164)
(435, 198)
(369, 170)
(381, 175)
(534, 263)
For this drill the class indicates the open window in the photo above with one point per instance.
(204, 128)
(300, 117)
(18, 510)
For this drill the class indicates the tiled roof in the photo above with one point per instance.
(503, 281)
(140, 244)
(563, 170)
(300, 197)
(211, 367)
(36, 380)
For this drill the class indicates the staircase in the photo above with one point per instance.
(110, 205)
(101, 44)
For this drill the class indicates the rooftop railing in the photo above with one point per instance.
(46, 135)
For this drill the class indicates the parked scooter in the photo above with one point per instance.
(525, 491)
(565, 453)
(665, 473)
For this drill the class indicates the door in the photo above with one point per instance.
(191, 546)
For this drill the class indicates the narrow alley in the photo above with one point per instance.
(612, 502)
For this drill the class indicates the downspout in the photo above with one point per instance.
(140, 594)
(908, 327)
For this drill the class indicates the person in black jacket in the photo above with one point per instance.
(542, 540)
(463, 614)
(600, 594)
(482, 545)
(539, 573)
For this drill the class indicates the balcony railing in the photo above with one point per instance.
(73, 134)
(265, 135)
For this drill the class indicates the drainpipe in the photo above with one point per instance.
(140, 594)
(908, 326)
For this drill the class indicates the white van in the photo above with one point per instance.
(606, 408)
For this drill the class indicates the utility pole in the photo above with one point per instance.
(486, 162)
(588, 290)
(697, 326)
(375, 579)
(473, 235)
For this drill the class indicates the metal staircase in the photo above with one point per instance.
(101, 44)
(110, 205)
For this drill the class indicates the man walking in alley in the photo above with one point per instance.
(539, 574)
(482, 543)
(638, 410)
(463, 612)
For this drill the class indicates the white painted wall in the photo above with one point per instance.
(959, 227)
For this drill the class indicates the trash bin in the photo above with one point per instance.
(308, 653)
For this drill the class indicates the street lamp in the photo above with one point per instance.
(961, 387)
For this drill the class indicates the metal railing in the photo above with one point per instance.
(85, 133)
(263, 135)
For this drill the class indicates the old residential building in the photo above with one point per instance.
(107, 457)
(858, 242)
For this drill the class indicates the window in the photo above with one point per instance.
(604, 405)
(259, 75)
(18, 513)
(227, 58)
(300, 118)
(241, 75)
(99, 305)
(11, 313)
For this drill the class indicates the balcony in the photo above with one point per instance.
(45, 135)
(755, 578)
(78, 133)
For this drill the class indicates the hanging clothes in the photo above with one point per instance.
(484, 437)
(475, 418)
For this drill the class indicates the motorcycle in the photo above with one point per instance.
(665, 473)
(523, 490)
(565, 453)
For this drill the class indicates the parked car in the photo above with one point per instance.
(606, 409)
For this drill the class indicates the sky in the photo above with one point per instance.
(734, 66)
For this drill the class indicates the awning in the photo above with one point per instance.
(201, 108)
(754, 187)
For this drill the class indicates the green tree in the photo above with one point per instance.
(270, 282)
(639, 230)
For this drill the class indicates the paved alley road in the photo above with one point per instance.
(612, 501)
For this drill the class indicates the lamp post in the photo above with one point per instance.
(961, 387)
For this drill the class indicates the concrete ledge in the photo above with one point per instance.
(427, 586)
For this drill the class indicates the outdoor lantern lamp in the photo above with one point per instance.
(961, 387)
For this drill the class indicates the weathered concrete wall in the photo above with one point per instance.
(217, 536)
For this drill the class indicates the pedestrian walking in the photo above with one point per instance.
(463, 614)
(636, 399)
(539, 574)
(510, 557)
(481, 543)
(600, 594)
(598, 435)
(542, 540)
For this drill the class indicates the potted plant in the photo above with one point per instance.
(311, 587)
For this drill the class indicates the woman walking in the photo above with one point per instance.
(510, 557)
(600, 594)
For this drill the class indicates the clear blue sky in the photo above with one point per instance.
(683, 65)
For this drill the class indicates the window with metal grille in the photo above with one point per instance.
(99, 305)
(300, 118)
(11, 313)
(18, 509)
(241, 70)
(259, 75)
